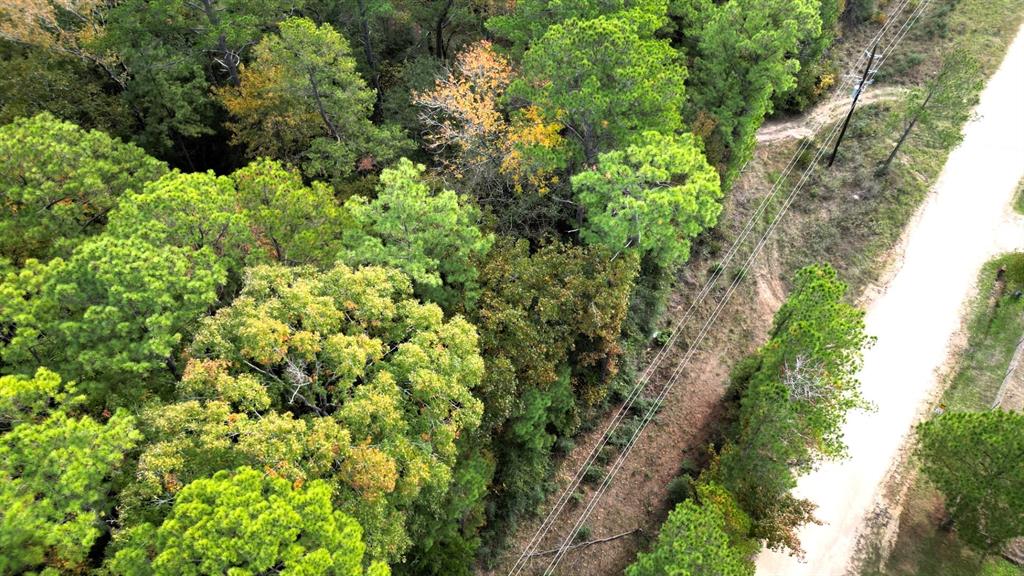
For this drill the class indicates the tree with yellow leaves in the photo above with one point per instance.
(381, 383)
(302, 101)
(64, 26)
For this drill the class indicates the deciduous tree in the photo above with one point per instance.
(549, 324)
(508, 161)
(354, 346)
(68, 27)
(173, 51)
(942, 105)
(34, 80)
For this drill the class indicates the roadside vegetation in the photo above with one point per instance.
(852, 216)
(1018, 200)
(930, 540)
(786, 404)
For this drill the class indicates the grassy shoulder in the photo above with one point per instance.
(995, 324)
(1018, 199)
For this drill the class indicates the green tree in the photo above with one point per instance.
(745, 53)
(229, 427)
(605, 79)
(693, 541)
(354, 346)
(817, 71)
(549, 329)
(292, 222)
(34, 80)
(194, 211)
(59, 182)
(55, 474)
(28, 399)
(261, 212)
(528, 20)
(942, 105)
(432, 237)
(301, 101)
(112, 316)
(795, 395)
(653, 196)
(244, 522)
(976, 459)
(448, 526)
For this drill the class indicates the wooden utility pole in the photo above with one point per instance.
(856, 95)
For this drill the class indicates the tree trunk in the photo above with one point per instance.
(229, 60)
(331, 128)
(371, 58)
(439, 47)
(903, 137)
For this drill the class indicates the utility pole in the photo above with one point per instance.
(856, 95)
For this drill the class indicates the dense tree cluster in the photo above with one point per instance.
(323, 287)
(791, 399)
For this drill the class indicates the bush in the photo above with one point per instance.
(583, 534)
(1014, 264)
(643, 404)
(624, 432)
(564, 444)
(593, 475)
(858, 11)
(606, 455)
(680, 489)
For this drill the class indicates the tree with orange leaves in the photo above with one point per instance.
(64, 26)
(478, 143)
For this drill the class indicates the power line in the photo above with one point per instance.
(721, 305)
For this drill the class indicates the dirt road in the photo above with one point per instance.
(805, 125)
(965, 222)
